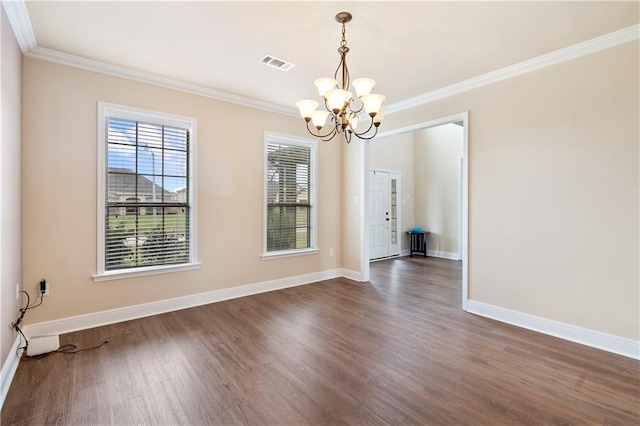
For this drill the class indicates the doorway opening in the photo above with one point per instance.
(457, 251)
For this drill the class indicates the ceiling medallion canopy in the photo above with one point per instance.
(342, 113)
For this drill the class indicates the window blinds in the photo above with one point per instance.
(147, 195)
(289, 188)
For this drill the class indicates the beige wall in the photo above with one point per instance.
(60, 114)
(438, 151)
(554, 190)
(397, 153)
(354, 171)
(10, 183)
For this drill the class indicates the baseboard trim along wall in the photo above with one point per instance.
(352, 275)
(9, 370)
(97, 319)
(434, 253)
(607, 342)
(443, 254)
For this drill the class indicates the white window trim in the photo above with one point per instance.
(119, 111)
(289, 253)
(271, 137)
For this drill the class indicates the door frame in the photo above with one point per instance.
(462, 117)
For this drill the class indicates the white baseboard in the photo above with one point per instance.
(607, 342)
(443, 254)
(434, 253)
(9, 370)
(97, 319)
(352, 275)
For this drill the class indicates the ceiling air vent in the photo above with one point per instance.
(278, 63)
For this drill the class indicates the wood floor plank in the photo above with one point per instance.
(396, 350)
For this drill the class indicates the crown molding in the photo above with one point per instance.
(21, 24)
(67, 59)
(19, 19)
(584, 48)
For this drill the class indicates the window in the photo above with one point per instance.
(290, 217)
(146, 206)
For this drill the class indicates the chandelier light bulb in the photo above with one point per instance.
(363, 86)
(325, 84)
(307, 108)
(320, 118)
(377, 119)
(372, 103)
(336, 99)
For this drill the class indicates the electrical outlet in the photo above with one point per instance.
(43, 287)
(17, 291)
(330, 252)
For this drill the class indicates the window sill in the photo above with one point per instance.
(291, 253)
(140, 272)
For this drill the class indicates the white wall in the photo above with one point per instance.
(397, 153)
(438, 151)
(10, 183)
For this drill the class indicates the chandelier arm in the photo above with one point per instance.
(330, 135)
(318, 135)
(366, 138)
(354, 110)
(346, 78)
(343, 50)
(327, 106)
(336, 129)
(341, 64)
(366, 131)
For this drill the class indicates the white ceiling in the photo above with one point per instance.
(409, 48)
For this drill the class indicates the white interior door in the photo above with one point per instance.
(379, 215)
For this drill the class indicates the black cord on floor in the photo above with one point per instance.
(68, 349)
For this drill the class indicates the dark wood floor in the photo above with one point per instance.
(396, 351)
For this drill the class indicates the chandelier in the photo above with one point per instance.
(340, 107)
